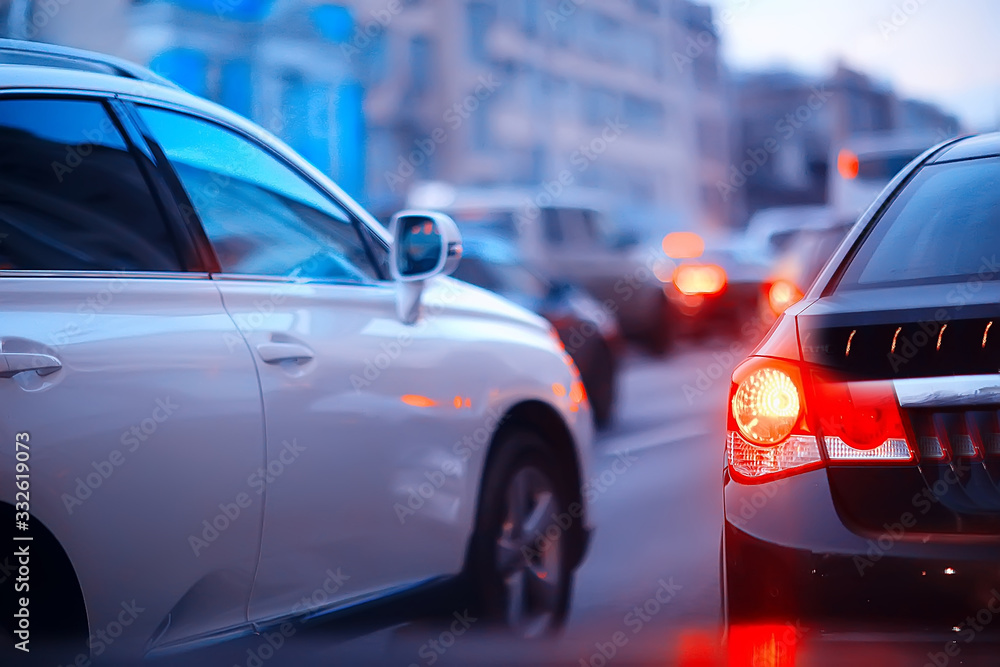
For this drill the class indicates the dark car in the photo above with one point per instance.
(718, 291)
(797, 266)
(862, 482)
(589, 332)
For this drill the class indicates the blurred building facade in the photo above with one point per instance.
(627, 97)
(788, 126)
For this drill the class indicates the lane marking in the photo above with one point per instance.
(667, 434)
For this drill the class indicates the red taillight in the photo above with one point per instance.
(848, 164)
(699, 279)
(786, 417)
(768, 433)
(781, 295)
(860, 421)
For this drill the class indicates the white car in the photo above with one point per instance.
(229, 400)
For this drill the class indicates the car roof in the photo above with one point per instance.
(977, 146)
(20, 52)
(896, 142)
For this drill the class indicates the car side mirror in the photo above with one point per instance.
(425, 244)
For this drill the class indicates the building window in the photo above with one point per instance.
(481, 16)
(421, 63)
(651, 7)
(644, 114)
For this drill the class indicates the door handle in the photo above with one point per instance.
(274, 353)
(12, 363)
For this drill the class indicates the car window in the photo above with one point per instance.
(72, 197)
(477, 272)
(943, 227)
(552, 226)
(883, 167)
(574, 227)
(262, 217)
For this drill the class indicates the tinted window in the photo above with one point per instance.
(883, 167)
(552, 226)
(261, 216)
(72, 198)
(943, 227)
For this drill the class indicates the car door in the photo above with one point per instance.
(144, 424)
(347, 387)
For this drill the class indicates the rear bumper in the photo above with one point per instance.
(789, 558)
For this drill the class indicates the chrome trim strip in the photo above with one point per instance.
(950, 391)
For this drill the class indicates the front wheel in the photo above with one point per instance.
(521, 554)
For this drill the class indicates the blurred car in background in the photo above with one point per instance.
(589, 333)
(716, 285)
(770, 230)
(795, 268)
(574, 242)
(866, 164)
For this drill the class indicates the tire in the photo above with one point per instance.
(521, 568)
(662, 335)
(600, 376)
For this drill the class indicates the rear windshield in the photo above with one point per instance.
(944, 227)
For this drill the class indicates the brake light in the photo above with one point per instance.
(860, 421)
(781, 295)
(700, 279)
(768, 435)
(767, 406)
(848, 164)
(683, 245)
(786, 417)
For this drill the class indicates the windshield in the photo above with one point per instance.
(943, 227)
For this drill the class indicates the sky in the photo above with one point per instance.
(942, 51)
